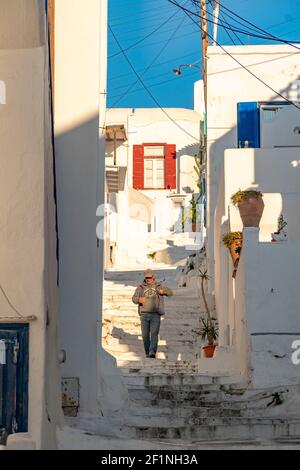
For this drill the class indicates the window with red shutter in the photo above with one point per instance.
(171, 166)
(154, 166)
(138, 167)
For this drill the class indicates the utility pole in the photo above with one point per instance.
(203, 162)
(216, 20)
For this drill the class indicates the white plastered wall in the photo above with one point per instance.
(228, 84)
(267, 307)
(264, 266)
(80, 78)
(27, 212)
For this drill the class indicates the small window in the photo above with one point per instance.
(154, 173)
(154, 151)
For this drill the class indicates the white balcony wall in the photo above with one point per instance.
(228, 84)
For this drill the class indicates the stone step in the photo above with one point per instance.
(190, 412)
(138, 350)
(179, 316)
(164, 365)
(152, 380)
(133, 340)
(127, 316)
(171, 306)
(132, 356)
(213, 401)
(187, 332)
(237, 428)
(209, 395)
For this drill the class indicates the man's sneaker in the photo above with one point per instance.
(147, 355)
(152, 355)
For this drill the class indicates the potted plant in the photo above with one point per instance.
(191, 214)
(250, 205)
(208, 328)
(233, 241)
(210, 333)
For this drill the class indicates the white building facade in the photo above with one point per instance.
(156, 153)
(257, 310)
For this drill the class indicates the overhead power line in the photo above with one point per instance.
(146, 88)
(255, 26)
(266, 34)
(156, 65)
(182, 77)
(222, 20)
(134, 18)
(236, 60)
(152, 62)
(186, 76)
(238, 30)
(145, 37)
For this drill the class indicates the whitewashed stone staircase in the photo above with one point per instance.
(170, 399)
(172, 249)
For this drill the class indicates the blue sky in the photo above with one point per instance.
(178, 41)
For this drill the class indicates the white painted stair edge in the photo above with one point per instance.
(224, 360)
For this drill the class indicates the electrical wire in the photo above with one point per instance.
(145, 37)
(246, 33)
(146, 88)
(9, 302)
(136, 18)
(237, 61)
(156, 65)
(270, 35)
(152, 62)
(222, 21)
(182, 77)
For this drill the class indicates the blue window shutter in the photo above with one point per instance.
(248, 125)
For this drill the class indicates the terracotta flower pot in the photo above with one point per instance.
(232, 248)
(194, 226)
(251, 211)
(209, 350)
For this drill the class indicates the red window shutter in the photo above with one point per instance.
(171, 166)
(138, 167)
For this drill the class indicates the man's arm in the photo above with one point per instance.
(165, 291)
(136, 296)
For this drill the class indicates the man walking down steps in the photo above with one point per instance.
(149, 298)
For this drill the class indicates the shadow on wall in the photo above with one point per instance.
(188, 150)
(80, 189)
(264, 182)
(109, 149)
(229, 141)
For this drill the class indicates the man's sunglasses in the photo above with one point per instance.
(151, 277)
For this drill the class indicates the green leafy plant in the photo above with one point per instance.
(240, 195)
(190, 215)
(231, 238)
(208, 331)
(198, 167)
(208, 328)
(151, 255)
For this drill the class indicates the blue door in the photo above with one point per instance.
(248, 125)
(13, 379)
